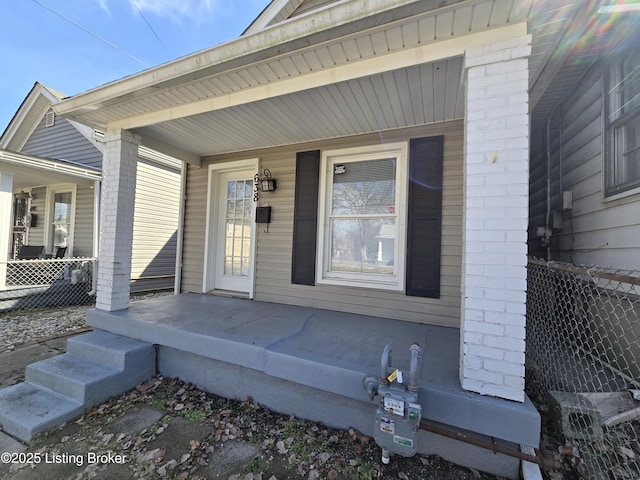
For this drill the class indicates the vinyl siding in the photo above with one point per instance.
(194, 229)
(38, 207)
(155, 227)
(594, 231)
(62, 141)
(83, 227)
(83, 230)
(273, 261)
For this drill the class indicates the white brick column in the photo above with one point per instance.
(6, 205)
(496, 208)
(119, 167)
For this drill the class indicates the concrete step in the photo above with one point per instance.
(111, 350)
(75, 377)
(26, 409)
(97, 366)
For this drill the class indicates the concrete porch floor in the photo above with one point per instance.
(311, 363)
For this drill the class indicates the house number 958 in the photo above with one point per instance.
(256, 185)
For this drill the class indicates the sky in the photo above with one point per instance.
(75, 45)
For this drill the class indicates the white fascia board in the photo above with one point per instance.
(47, 164)
(431, 52)
(341, 14)
(87, 132)
(267, 15)
(19, 125)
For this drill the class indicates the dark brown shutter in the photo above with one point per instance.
(305, 218)
(424, 218)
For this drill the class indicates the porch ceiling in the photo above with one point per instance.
(399, 65)
(29, 171)
(26, 178)
(417, 95)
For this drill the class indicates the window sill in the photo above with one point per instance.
(371, 284)
(620, 195)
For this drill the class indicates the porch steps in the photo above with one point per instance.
(97, 365)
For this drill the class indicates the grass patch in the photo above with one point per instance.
(194, 415)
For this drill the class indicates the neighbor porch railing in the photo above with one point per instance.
(29, 284)
(583, 369)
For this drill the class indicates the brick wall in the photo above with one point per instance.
(496, 187)
(116, 220)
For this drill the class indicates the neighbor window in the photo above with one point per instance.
(363, 217)
(622, 167)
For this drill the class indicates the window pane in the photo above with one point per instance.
(62, 207)
(627, 142)
(625, 85)
(363, 246)
(622, 163)
(366, 187)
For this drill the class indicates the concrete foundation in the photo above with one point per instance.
(311, 363)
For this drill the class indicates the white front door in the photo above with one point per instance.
(234, 231)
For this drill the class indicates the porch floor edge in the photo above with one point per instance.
(327, 350)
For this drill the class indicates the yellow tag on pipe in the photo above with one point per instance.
(393, 376)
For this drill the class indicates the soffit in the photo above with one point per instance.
(415, 95)
(30, 171)
(419, 95)
(588, 37)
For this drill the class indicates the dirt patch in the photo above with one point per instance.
(194, 434)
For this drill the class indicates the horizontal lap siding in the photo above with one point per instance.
(194, 229)
(595, 231)
(273, 262)
(38, 207)
(155, 227)
(83, 228)
(62, 141)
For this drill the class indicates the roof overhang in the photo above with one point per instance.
(27, 117)
(31, 171)
(349, 68)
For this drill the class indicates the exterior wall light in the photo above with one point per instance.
(267, 183)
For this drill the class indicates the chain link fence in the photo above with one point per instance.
(583, 346)
(43, 283)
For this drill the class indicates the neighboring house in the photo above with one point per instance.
(52, 168)
(401, 136)
(585, 161)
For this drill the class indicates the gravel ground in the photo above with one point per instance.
(23, 328)
(288, 447)
(26, 327)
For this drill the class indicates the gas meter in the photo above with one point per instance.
(399, 413)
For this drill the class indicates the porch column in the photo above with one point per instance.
(6, 205)
(496, 208)
(119, 167)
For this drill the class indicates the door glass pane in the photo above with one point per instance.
(238, 228)
(61, 219)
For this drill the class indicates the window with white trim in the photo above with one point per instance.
(363, 217)
(622, 165)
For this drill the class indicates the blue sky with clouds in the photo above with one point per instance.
(75, 45)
